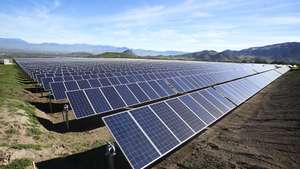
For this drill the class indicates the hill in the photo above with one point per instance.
(21, 46)
(284, 52)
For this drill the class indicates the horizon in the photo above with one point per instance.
(146, 49)
(187, 26)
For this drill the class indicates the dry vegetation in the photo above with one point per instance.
(22, 138)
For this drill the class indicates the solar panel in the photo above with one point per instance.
(215, 101)
(83, 84)
(46, 82)
(158, 132)
(148, 90)
(58, 90)
(98, 101)
(186, 114)
(166, 87)
(80, 104)
(127, 95)
(181, 130)
(113, 97)
(136, 146)
(138, 92)
(161, 92)
(208, 105)
(225, 101)
(71, 85)
(94, 83)
(202, 113)
(104, 82)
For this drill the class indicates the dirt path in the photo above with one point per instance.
(262, 133)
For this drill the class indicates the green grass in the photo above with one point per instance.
(22, 146)
(11, 92)
(17, 164)
(11, 131)
(10, 85)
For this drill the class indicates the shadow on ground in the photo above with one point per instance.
(80, 125)
(91, 159)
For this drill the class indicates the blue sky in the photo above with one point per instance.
(184, 25)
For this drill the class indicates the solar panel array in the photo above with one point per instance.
(175, 100)
(120, 83)
(147, 133)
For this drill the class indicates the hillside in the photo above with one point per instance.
(21, 46)
(284, 52)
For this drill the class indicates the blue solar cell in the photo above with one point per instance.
(193, 82)
(148, 90)
(123, 80)
(83, 84)
(71, 85)
(86, 76)
(160, 135)
(174, 123)
(140, 78)
(131, 78)
(222, 91)
(137, 91)
(198, 109)
(221, 98)
(135, 145)
(208, 106)
(80, 104)
(214, 101)
(113, 97)
(176, 86)
(114, 80)
(182, 84)
(39, 77)
(127, 95)
(158, 89)
(68, 78)
(166, 87)
(97, 100)
(147, 77)
(46, 82)
(186, 114)
(104, 82)
(94, 83)
(77, 77)
(58, 89)
(189, 84)
(58, 79)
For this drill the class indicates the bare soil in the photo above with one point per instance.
(263, 133)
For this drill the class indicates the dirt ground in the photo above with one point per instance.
(263, 133)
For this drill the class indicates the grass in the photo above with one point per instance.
(11, 131)
(22, 146)
(10, 86)
(11, 92)
(17, 164)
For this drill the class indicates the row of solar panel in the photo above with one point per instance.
(115, 80)
(182, 84)
(148, 133)
(104, 99)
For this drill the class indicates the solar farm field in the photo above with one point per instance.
(153, 113)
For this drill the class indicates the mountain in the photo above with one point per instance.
(288, 52)
(19, 45)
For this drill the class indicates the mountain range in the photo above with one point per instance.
(288, 52)
(19, 45)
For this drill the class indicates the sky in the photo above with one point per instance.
(181, 25)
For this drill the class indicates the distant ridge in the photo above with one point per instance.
(13, 45)
(288, 52)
